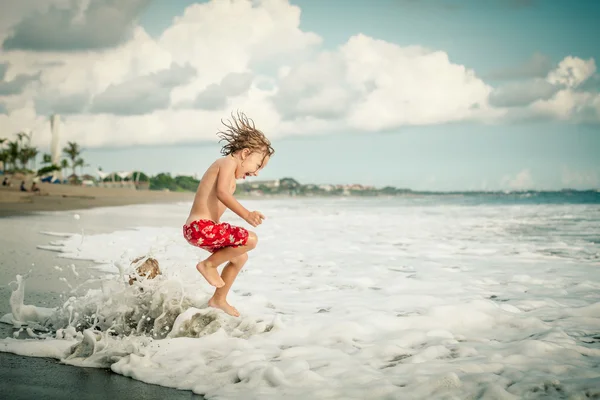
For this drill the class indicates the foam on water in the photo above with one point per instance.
(345, 299)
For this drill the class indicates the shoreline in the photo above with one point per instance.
(54, 197)
(64, 197)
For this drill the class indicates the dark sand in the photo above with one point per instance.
(28, 378)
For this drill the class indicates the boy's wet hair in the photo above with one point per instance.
(241, 134)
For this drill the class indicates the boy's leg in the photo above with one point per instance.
(208, 267)
(230, 272)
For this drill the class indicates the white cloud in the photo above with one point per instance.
(17, 84)
(377, 85)
(215, 96)
(521, 181)
(410, 86)
(223, 37)
(81, 26)
(317, 88)
(217, 39)
(364, 85)
(568, 104)
(561, 96)
(577, 179)
(519, 94)
(25, 119)
(142, 94)
(572, 71)
(537, 66)
(14, 12)
(90, 73)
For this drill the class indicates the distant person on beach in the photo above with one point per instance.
(23, 188)
(35, 188)
(5, 182)
(245, 153)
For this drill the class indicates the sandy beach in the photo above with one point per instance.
(61, 197)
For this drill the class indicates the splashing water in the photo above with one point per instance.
(147, 307)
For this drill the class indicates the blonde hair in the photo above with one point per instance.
(241, 134)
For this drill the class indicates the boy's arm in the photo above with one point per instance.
(224, 176)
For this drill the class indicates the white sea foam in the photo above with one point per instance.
(345, 299)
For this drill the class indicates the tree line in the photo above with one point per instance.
(19, 155)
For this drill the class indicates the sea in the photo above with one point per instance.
(488, 296)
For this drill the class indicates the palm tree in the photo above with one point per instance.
(13, 153)
(80, 163)
(23, 156)
(73, 151)
(32, 153)
(21, 151)
(21, 136)
(26, 154)
(64, 164)
(3, 154)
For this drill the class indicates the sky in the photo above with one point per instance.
(420, 94)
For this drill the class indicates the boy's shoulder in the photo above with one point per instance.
(223, 161)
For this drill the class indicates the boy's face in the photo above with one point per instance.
(253, 163)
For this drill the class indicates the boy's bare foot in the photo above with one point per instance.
(225, 306)
(210, 274)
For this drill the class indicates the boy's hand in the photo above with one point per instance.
(254, 218)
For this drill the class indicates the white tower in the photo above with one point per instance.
(55, 144)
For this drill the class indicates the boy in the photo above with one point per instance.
(245, 153)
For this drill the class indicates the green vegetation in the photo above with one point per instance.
(73, 152)
(186, 183)
(180, 183)
(136, 176)
(47, 170)
(19, 156)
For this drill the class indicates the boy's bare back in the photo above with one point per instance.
(206, 203)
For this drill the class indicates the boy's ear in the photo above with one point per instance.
(245, 152)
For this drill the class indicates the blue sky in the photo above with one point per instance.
(506, 43)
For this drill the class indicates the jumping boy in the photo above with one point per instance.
(245, 153)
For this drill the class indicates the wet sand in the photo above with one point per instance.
(27, 378)
(54, 197)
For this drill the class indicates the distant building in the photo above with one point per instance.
(272, 184)
(357, 187)
(55, 152)
(289, 183)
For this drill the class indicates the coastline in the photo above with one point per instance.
(55, 197)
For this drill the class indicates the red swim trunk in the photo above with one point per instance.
(211, 236)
